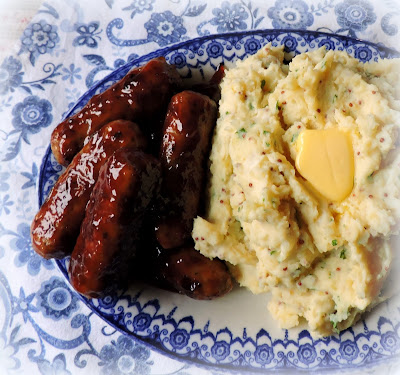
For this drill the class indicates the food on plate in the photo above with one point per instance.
(190, 273)
(55, 227)
(185, 146)
(211, 88)
(117, 235)
(110, 231)
(283, 211)
(172, 262)
(141, 96)
(325, 158)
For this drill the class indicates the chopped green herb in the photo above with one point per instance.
(334, 242)
(294, 137)
(343, 253)
(239, 209)
(251, 105)
(334, 326)
(241, 132)
(277, 106)
(370, 177)
(265, 132)
(273, 252)
(334, 98)
(262, 84)
(227, 112)
(267, 144)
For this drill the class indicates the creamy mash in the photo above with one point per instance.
(323, 260)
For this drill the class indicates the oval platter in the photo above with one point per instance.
(235, 333)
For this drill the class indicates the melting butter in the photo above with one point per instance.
(325, 159)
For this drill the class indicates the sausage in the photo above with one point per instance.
(141, 96)
(191, 273)
(212, 88)
(55, 227)
(107, 243)
(183, 270)
(185, 145)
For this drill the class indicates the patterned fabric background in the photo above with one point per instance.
(66, 49)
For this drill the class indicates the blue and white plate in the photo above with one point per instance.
(236, 332)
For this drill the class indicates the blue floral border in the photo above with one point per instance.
(65, 49)
(191, 58)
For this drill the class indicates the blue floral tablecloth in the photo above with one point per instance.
(66, 49)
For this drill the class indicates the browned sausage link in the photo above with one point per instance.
(55, 227)
(141, 96)
(185, 145)
(192, 274)
(110, 231)
(211, 88)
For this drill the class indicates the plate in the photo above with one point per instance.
(235, 332)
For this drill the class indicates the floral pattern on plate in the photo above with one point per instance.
(151, 317)
(70, 47)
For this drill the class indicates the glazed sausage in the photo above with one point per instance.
(186, 141)
(190, 273)
(110, 231)
(55, 227)
(183, 270)
(141, 96)
(212, 88)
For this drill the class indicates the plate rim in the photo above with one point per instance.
(85, 97)
(160, 52)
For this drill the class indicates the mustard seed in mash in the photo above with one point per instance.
(304, 185)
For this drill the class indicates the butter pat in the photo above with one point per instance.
(325, 159)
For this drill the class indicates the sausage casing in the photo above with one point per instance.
(212, 87)
(55, 227)
(110, 231)
(186, 140)
(141, 96)
(190, 273)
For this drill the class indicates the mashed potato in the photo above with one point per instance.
(321, 260)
